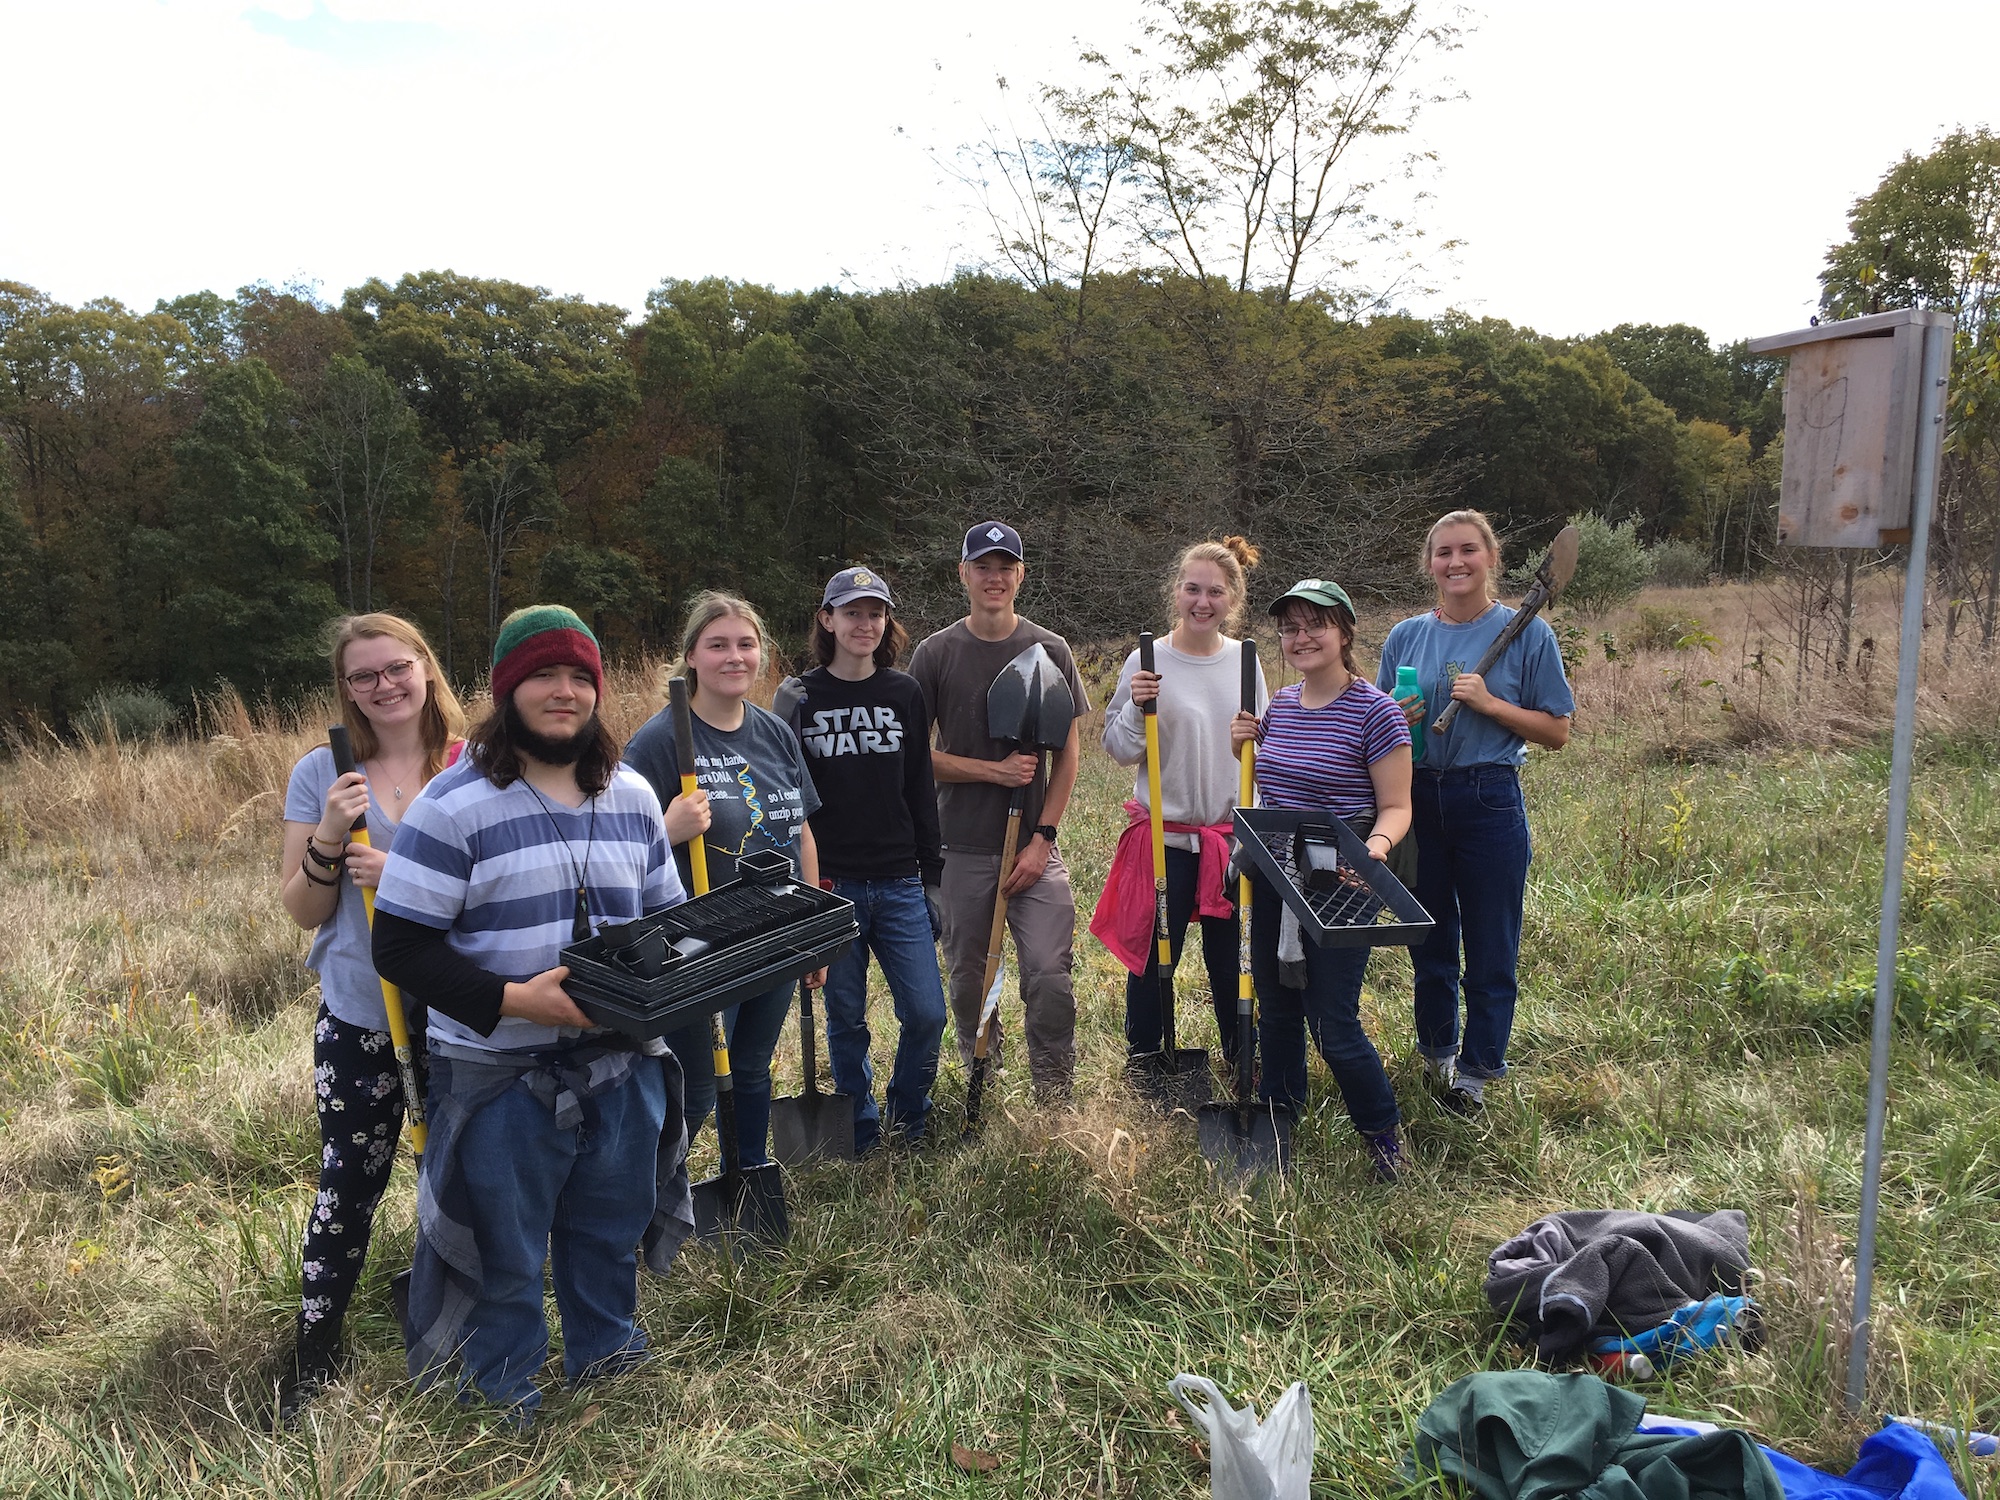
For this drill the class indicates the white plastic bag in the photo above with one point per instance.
(1249, 1460)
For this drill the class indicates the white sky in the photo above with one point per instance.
(1614, 161)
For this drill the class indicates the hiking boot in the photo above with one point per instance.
(1385, 1154)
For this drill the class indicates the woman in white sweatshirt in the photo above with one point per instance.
(1198, 685)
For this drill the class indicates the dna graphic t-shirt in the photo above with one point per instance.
(759, 791)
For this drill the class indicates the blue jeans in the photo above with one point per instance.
(1330, 1005)
(1218, 956)
(1472, 873)
(896, 928)
(579, 1199)
(752, 1028)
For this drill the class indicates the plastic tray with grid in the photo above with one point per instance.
(1368, 907)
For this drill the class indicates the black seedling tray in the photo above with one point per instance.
(738, 941)
(1358, 905)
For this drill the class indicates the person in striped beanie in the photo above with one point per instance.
(545, 1133)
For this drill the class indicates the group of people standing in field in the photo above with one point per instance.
(493, 850)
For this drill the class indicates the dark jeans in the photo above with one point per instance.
(1330, 1005)
(752, 1029)
(1472, 872)
(1218, 956)
(896, 928)
(577, 1199)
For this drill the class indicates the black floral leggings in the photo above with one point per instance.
(360, 1102)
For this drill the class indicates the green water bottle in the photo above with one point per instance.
(1407, 686)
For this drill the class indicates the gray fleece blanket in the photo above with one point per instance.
(1610, 1273)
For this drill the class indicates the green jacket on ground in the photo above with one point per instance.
(1529, 1435)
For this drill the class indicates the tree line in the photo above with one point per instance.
(1172, 339)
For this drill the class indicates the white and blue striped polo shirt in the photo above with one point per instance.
(496, 868)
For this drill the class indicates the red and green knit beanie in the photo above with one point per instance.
(542, 635)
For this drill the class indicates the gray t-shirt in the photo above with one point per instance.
(1199, 771)
(759, 790)
(340, 951)
(955, 668)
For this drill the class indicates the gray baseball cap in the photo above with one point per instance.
(850, 584)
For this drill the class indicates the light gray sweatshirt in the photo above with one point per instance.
(1199, 695)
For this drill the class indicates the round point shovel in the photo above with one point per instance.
(341, 744)
(740, 1206)
(1243, 1134)
(811, 1124)
(1173, 1078)
(1030, 706)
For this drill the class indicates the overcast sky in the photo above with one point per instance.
(1611, 162)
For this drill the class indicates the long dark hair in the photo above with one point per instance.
(894, 639)
(493, 750)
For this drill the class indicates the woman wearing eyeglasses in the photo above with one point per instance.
(1332, 742)
(406, 725)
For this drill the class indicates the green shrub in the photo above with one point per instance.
(132, 714)
(1611, 565)
(1659, 629)
(1678, 564)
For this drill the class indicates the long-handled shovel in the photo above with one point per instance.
(1173, 1078)
(342, 746)
(1030, 706)
(1241, 1133)
(740, 1206)
(811, 1124)
(1557, 568)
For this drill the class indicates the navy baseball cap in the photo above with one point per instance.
(992, 536)
(850, 584)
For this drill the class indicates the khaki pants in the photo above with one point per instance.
(1043, 922)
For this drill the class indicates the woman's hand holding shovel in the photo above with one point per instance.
(364, 863)
(1243, 730)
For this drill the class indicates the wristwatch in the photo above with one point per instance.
(1047, 831)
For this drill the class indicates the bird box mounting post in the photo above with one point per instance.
(1864, 427)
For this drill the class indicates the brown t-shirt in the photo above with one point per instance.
(955, 668)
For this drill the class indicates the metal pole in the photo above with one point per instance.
(1930, 439)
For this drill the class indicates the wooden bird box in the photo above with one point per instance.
(1851, 393)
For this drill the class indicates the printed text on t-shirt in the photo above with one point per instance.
(854, 731)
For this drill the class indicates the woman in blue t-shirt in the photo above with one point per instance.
(1332, 742)
(1471, 827)
(404, 722)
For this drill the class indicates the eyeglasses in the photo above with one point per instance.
(395, 673)
(1286, 631)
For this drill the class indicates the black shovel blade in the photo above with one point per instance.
(1029, 703)
(1245, 1140)
(399, 1298)
(744, 1212)
(813, 1126)
(1174, 1082)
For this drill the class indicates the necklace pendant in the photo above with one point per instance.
(579, 928)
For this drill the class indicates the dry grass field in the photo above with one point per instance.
(1696, 972)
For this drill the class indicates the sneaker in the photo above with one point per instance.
(1466, 1096)
(308, 1370)
(1385, 1154)
(1439, 1072)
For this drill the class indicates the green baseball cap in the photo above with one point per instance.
(1321, 591)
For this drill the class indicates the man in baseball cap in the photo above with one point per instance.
(989, 537)
(977, 776)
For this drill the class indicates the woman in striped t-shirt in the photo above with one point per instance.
(1333, 742)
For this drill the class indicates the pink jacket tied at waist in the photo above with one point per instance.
(1123, 921)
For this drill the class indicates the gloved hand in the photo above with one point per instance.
(934, 911)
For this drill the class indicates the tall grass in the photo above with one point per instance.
(1693, 1034)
